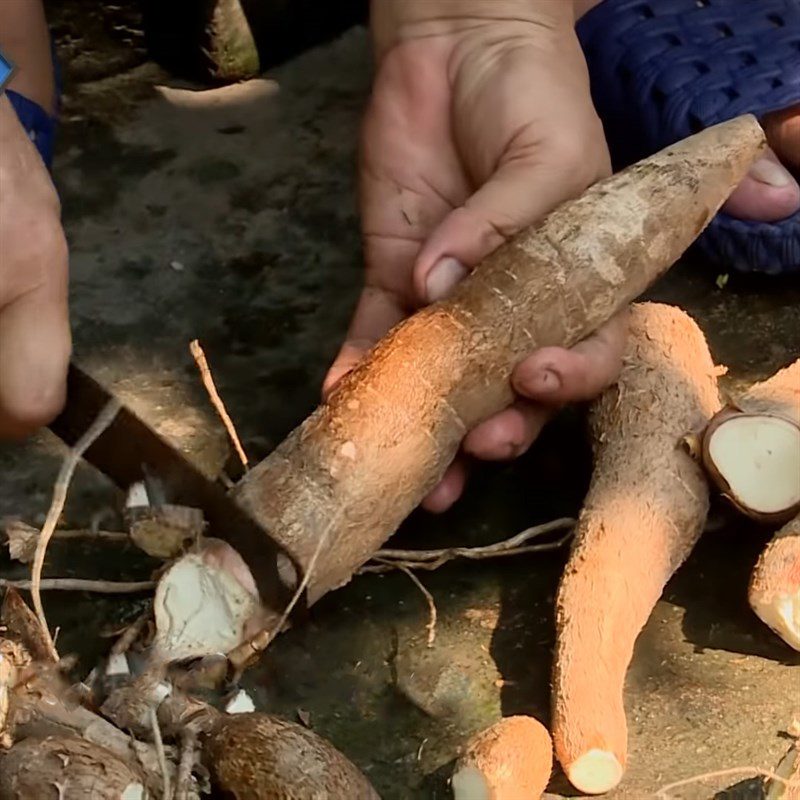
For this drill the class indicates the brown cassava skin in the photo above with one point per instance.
(255, 756)
(65, 768)
(776, 579)
(366, 458)
(645, 510)
(515, 755)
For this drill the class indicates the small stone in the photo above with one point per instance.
(177, 266)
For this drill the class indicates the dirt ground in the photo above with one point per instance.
(230, 216)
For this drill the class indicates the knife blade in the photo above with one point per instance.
(129, 450)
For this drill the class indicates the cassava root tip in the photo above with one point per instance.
(513, 758)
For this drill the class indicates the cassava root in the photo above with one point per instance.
(645, 509)
(365, 458)
(68, 768)
(774, 591)
(511, 759)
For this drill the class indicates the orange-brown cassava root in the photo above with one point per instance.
(511, 759)
(645, 510)
(775, 584)
(366, 458)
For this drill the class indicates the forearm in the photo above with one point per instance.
(24, 39)
(393, 20)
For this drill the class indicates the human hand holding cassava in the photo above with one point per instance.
(34, 326)
(480, 123)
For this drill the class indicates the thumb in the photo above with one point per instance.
(526, 187)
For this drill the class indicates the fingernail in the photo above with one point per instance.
(543, 382)
(446, 273)
(765, 170)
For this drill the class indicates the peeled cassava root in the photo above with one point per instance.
(253, 756)
(365, 459)
(751, 449)
(511, 759)
(645, 510)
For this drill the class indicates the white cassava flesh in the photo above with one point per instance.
(757, 458)
(200, 609)
(751, 449)
(511, 759)
(643, 514)
(360, 464)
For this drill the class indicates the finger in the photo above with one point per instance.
(449, 489)
(556, 375)
(768, 193)
(531, 182)
(377, 312)
(783, 134)
(34, 355)
(509, 433)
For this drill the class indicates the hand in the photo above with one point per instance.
(478, 126)
(34, 325)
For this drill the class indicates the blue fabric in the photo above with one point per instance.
(664, 69)
(39, 125)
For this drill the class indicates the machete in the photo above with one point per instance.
(129, 450)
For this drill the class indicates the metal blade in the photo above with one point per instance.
(130, 449)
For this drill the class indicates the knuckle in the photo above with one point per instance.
(27, 411)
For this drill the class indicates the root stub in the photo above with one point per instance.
(511, 759)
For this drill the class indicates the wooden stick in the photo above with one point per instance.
(80, 585)
(208, 381)
(104, 419)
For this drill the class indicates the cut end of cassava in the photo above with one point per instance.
(469, 783)
(201, 608)
(595, 772)
(512, 758)
(755, 460)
